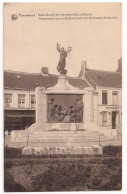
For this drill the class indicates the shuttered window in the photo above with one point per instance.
(114, 97)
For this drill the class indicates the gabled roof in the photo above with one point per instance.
(102, 78)
(105, 78)
(29, 81)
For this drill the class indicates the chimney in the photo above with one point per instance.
(83, 69)
(119, 69)
(44, 71)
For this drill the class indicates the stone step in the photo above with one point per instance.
(66, 132)
(71, 138)
(24, 143)
(55, 140)
(57, 134)
(110, 137)
(39, 144)
(61, 136)
(61, 126)
(62, 144)
(64, 140)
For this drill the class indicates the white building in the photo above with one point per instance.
(106, 96)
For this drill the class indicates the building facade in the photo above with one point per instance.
(19, 108)
(106, 97)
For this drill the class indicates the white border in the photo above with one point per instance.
(124, 56)
(1, 97)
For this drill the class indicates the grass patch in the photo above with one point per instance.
(11, 186)
(66, 173)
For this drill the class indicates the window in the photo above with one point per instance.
(21, 100)
(7, 100)
(104, 118)
(33, 101)
(104, 97)
(114, 97)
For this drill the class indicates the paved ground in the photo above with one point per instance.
(8, 142)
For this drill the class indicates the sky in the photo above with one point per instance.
(30, 43)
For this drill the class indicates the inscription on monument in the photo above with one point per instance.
(65, 108)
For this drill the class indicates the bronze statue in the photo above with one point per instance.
(62, 61)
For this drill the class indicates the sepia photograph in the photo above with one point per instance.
(62, 96)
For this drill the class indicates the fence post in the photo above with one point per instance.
(99, 140)
(27, 140)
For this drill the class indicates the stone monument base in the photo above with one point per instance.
(61, 135)
(56, 138)
(93, 150)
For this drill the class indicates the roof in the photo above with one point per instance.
(29, 81)
(105, 78)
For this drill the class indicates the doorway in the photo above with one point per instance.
(114, 114)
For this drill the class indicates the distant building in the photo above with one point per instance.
(106, 96)
(103, 104)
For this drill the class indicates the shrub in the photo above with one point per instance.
(10, 185)
(12, 152)
(112, 150)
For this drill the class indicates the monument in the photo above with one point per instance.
(60, 126)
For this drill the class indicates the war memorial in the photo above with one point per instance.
(62, 119)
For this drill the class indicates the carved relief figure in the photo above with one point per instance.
(73, 114)
(78, 110)
(60, 114)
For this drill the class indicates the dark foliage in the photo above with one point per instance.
(12, 152)
(66, 173)
(62, 178)
(112, 150)
(11, 186)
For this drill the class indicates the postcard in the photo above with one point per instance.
(62, 97)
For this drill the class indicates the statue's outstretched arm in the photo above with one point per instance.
(69, 50)
(58, 48)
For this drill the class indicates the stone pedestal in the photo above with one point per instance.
(41, 105)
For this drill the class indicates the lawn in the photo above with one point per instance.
(63, 173)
